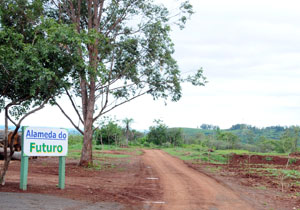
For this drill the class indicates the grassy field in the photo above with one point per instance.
(218, 156)
(75, 146)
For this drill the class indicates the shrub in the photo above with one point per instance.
(292, 160)
(75, 140)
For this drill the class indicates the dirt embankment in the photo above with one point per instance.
(259, 159)
(269, 182)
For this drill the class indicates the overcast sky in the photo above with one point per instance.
(250, 53)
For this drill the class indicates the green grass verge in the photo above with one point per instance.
(75, 146)
(196, 152)
(104, 155)
(192, 154)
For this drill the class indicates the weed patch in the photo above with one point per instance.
(107, 155)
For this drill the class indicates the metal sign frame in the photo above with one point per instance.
(24, 164)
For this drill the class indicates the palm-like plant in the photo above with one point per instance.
(127, 122)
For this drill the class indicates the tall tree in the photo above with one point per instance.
(127, 122)
(175, 136)
(109, 132)
(229, 137)
(289, 139)
(158, 133)
(126, 52)
(33, 66)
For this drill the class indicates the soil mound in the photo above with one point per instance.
(295, 154)
(260, 159)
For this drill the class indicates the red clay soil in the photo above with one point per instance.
(153, 180)
(259, 159)
(295, 154)
(186, 188)
(122, 180)
(255, 181)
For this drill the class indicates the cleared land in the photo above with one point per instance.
(152, 179)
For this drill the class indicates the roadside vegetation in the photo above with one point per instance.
(239, 139)
(260, 161)
(207, 143)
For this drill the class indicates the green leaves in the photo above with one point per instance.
(160, 134)
(130, 44)
(109, 132)
(198, 79)
(34, 63)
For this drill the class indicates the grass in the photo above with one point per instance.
(272, 171)
(196, 152)
(213, 169)
(75, 146)
(269, 158)
(280, 175)
(242, 152)
(74, 154)
(100, 165)
(102, 161)
(293, 174)
(104, 155)
(292, 160)
(261, 187)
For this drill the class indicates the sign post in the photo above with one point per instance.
(62, 172)
(43, 142)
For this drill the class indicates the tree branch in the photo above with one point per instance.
(13, 122)
(123, 16)
(72, 12)
(134, 97)
(100, 15)
(78, 12)
(74, 106)
(33, 111)
(69, 118)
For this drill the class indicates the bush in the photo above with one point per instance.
(75, 140)
(167, 144)
(248, 147)
(292, 160)
(215, 144)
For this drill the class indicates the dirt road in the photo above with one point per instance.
(186, 188)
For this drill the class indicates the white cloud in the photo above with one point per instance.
(250, 52)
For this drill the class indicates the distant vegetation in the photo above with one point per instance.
(209, 137)
(241, 136)
(245, 132)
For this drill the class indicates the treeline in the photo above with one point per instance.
(243, 136)
(111, 131)
(240, 136)
(246, 133)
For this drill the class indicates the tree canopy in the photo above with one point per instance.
(34, 67)
(125, 52)
(160, 134)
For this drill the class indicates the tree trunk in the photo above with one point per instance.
(88, 104)
(296, 143)
(86, 158)
(127, 137)
(7, 157)
(15, 156)
(101, 141)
